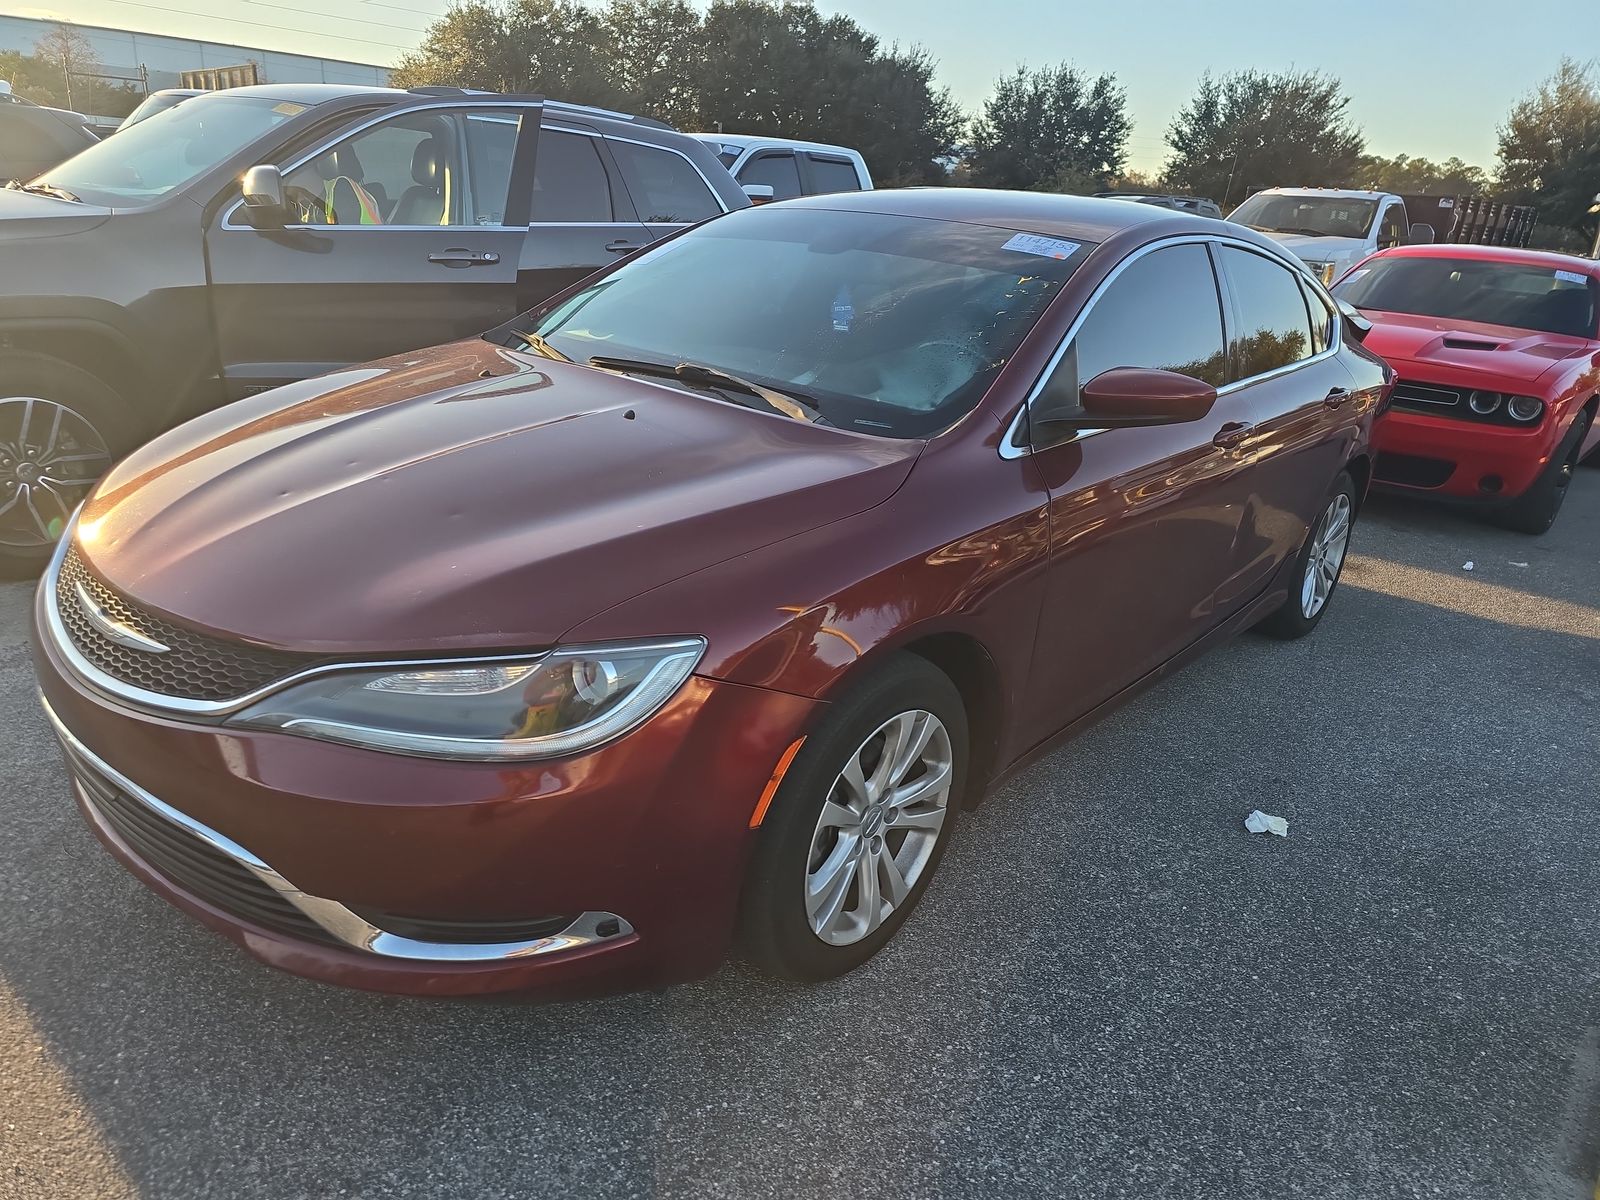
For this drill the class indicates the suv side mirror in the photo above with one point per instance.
(262, 186)
(1422, 234)
(760, 193)
(1122, 398)
(1357, 324)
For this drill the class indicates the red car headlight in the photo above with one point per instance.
(564, 702)
(1526, 409)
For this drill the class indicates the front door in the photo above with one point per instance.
(404, 234)
(1143, 522)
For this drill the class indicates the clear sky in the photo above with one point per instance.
(1426, 77)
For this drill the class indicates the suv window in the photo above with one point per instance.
(1393, 228)
(1274, 326)
(834, 175)
(418, 168)
(666, 188)
(569, 180)
(779, 170)
(1162, 311)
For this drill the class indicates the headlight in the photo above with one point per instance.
(1322, 270)
(1483, 403)
(563, 702)
(1525, 408)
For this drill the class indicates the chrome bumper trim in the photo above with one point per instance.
(343, 924)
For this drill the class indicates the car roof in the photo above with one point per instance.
(1511, 255)
(1336, 193)
(764, 143)
(312, 94)
(1084, 218)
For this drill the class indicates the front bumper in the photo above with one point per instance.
(1456, 459)
(289, 846)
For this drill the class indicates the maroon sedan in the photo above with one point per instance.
(697, 603)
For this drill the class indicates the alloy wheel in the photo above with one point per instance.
(50, 457)
(1329, 542)
(879, 827)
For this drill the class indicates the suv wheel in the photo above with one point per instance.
(60, 429)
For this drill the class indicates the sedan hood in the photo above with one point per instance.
(27, 215)
(466, 496)
(1516, 357)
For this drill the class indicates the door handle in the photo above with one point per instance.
(1336, 397)
(460, 256)
(1231, 434)
(624, 246)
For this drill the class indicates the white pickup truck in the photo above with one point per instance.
(1331, 229)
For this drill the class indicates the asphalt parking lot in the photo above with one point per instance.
(1111, 990)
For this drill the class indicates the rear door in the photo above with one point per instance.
(583, 218)
(405, 232)
(1290, 390)
(667, 189)
(826, 173)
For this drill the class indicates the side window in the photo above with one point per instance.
(779, 170)
(569, 180)
(422, 168)
(666, 188)
(834, 175)
(1393, 228)
(1162, 311)
(1274, 326)
(1322, 318)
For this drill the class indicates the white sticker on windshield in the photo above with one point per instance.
(1355, 275)
(1572, 277)
(1044, 247)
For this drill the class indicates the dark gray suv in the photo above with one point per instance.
(140, 284)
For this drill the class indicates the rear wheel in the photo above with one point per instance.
(60, 429)
(1535, 510)
(859, 824)
(1318, 567)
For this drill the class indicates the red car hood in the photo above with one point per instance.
(1513, 357)
(464, 496)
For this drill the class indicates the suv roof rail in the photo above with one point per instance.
(563, 105)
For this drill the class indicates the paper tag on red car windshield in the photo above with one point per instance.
(1044, 247)
(1572, 277)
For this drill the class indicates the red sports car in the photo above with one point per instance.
(1498, 356)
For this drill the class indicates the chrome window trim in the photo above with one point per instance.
(1008, 448)
(344, 925)
(113, 688)
(715, 195)
(352, 131)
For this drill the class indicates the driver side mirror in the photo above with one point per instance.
(760, 193)
(262, 186)
(1422, 234)
(1123, 398)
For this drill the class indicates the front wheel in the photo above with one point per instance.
(859, 824)
(60, 429)
(1318, 567)
(1535, 510)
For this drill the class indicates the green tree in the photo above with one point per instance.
(60, 73)
(1050, 129)
(1550, 146)
(657, 52)
(1420, 176)
(1257, 129)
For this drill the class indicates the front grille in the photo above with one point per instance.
(190, 863)
(196, 667)
(1412, 470)
(424, 929)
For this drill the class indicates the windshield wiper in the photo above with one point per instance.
(537, 343)
(44, 189)
(1305, 231)
(714, 377)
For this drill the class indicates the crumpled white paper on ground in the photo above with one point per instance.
(1260, 822)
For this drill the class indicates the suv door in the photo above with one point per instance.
(582, 216)
(1162, 503)
(405, 232)
(668, 190)
(1287, 382)
(828, 173)
(776, 168)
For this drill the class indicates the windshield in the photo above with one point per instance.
(159, 155)
(889, 325)
(1517, 295)
(1313, 216)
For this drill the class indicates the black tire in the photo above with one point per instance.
(107, 424)
(775, 930)
(1535, 510)
(1290, 621)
